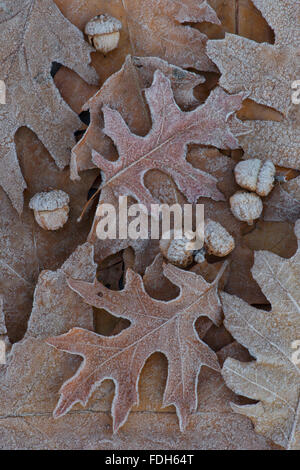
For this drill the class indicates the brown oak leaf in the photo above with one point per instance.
(164, 147)
(156, 325)
(274, 377)
(25, 248)
(150, 29)
(277, 237)
(284, 202)
(144, 250)
(160, 22)
(123, 91)
(266, 72)
(34, 34)
(30, 381)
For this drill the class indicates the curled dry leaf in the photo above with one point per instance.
(156, 325)
(160, 24)
(34, 34)
(53, 298)
(164, 147)
(266, 72)
(274, 378)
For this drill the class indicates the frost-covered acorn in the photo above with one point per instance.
(175, 250)
(51, 209)
(246, 207)
(103, 32)
(256, 175)
(266, 179)
(217, 240)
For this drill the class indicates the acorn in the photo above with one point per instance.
(256, 175)
(103, 32)
(51, 209)
(175, 250)
(246, 207)
(217, 240)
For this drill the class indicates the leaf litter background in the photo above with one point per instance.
(38, 302)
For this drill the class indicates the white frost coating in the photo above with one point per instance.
(49, 201)
(52, 220)
(33, 35)
(199, 256)
(266, 178)
(255, 176)
(283, 17)
(273, 379)
(246, 173)
(243, 63)
(51, 209)
(279, 140)
(174, 250)
(3, 330)
(102, 24)
(105, 42)
(217, 240)
(246, 206)
(284, 203)
(266, 71)
(103, 33)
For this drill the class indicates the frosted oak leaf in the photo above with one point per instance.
(34, 34)
(123, 91)
(267, 72)
(26, 248)
(274, 377)
(155, 29)
(284, 203)
(150, 28)
(168, 327)
(164, 147)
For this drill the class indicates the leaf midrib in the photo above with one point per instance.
(177, 315)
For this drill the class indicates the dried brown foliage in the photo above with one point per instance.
(160, 366)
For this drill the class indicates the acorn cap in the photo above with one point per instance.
(49, 201)
(102, 24)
